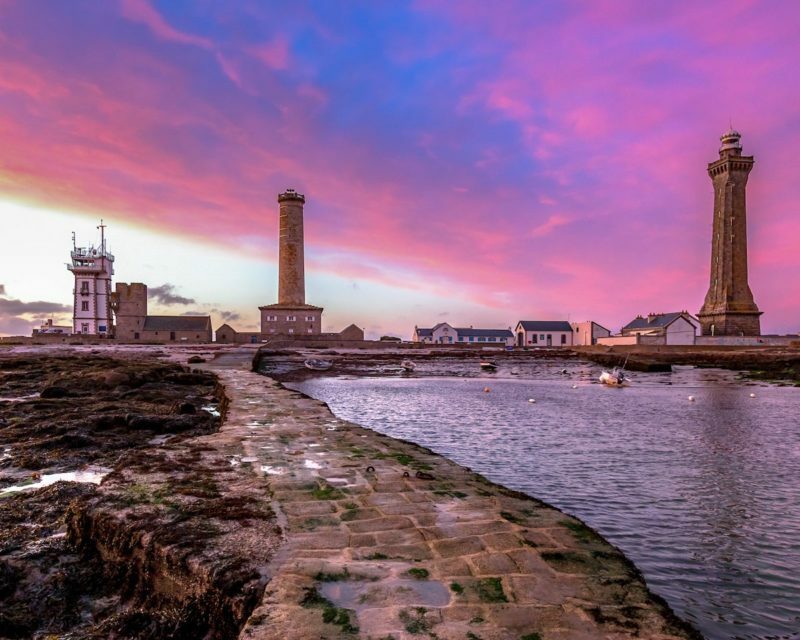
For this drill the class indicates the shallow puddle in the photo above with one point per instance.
(359, 595)
(94, 476)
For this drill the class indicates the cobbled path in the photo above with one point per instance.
(385, 539)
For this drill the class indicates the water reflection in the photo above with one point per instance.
(701, 495)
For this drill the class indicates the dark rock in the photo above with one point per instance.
(186, 408)
(196, 360)
(54, 392)
(151, 423)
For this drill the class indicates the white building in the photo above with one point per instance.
(444, 333)
(587, 333)
(679, 327)
(93, 268)
(544, 333)
(49, 328)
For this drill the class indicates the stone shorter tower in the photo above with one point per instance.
(129, 303)
(729, 308)
(291, 315)
(92, 267)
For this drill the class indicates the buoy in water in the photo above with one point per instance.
(531, 400)
(752, 395)
(574, 386)
(486, 389)
(691, 398)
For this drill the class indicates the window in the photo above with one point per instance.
(291, 330)
(272, 318)
(472, 338)
(310, 330)
(534, 339)
(135, 335)
(291, 318)
(85, 305)
(272, 330)
(310, 318)
(85, 327)
(563, 338)
(84, 286)
(541, 336)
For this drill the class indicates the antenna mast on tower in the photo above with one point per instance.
(102, 228)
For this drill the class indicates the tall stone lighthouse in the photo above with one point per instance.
(291, 315)
(729, 308)
(92, 267)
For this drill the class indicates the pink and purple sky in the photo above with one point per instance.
(474, 162)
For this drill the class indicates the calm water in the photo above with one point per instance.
(703, 496)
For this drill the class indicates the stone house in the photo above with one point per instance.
(129, 303)
(544, 333)
(444, 333)
(679, 327)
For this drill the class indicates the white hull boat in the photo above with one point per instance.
(614, 378)
(488, 366)
(317, 365)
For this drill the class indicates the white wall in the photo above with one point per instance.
(555, 337)
(681, 331)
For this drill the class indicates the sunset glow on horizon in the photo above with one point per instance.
(473, 162)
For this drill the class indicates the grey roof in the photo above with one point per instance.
(485, 333)
(657, 321)
(424, 332)
(177, 323)
(545, 325)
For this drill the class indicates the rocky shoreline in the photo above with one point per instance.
(771, 364)
(155, 551)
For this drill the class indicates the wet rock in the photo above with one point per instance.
(54, 391)
(186, 408)
(196, 360)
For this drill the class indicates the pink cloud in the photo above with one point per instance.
(142, 11)
(551, 224)
(274, 54)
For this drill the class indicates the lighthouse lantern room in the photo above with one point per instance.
(93, 267)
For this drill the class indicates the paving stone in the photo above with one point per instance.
(399, 536)
(363, 540)
(379, 524)
(502, 541)
(453, 567)
(492, 564)
(457, 546)
(529, 561)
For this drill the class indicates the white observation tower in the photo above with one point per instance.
(93, 268)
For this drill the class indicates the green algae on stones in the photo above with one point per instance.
(418, 574)
(414, 620)
(490, 590)
(326, 492)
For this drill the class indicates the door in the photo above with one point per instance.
(549, 339)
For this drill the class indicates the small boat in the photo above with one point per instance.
(614, 378)
(317, 365)
(488, 366)
(408, 365)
